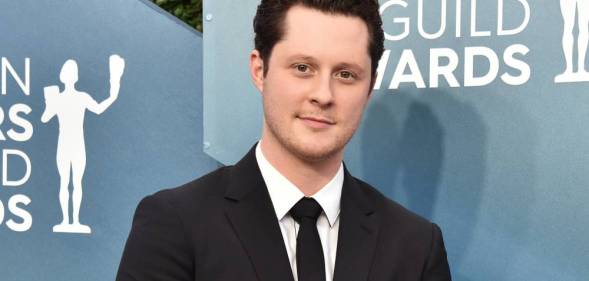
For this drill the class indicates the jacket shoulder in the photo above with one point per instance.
(203, 191)
(209, 185)
(162, 240)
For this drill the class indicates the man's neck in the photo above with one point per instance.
(308, 176)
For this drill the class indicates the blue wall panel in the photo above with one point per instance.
(150, 138)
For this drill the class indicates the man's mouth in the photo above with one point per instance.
(317, 122)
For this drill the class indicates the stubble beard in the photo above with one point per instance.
(306, 150)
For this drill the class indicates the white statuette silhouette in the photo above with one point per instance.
(70, 106)
(570, 8)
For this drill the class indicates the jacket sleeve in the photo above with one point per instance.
(436, 267)
(157, 247)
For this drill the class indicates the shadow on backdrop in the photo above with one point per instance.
(405, 137)
(431, 150)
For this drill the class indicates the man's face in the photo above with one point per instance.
(317, 84)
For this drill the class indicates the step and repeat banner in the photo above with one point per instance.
(479, 121)
(100, 105)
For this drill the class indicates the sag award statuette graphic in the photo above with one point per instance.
(570, 8)
(69, 106)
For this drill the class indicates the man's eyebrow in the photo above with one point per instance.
(302, 57)
(353, 66)
(342, 65)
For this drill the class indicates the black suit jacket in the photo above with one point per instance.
(222, 227)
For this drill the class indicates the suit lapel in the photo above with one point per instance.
(251, 213)
(358, 232)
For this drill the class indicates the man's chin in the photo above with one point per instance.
(314, 152)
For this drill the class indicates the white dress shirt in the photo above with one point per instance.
(285, 195)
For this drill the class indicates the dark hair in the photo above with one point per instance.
(269, 21)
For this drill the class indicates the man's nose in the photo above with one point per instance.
(323, 94)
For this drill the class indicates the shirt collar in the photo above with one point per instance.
(284, 194)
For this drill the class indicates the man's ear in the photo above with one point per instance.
(257, 70)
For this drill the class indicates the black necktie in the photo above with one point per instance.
(310, 262)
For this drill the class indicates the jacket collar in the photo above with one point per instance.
(249, 210)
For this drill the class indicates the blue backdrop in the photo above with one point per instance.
(499, 163)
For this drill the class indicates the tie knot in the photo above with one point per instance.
(306, 208)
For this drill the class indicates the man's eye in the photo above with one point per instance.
(302, 68)
(346, 75)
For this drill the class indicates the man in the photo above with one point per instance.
(289, 210)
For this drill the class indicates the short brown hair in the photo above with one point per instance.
(270, 15)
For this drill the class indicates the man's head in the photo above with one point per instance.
(315, 71)
(269, 25)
